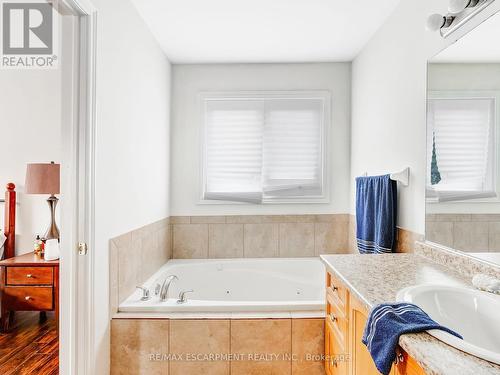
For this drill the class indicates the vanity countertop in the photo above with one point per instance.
(375, 279)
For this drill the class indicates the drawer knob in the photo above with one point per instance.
(29, 275)
(334, 362)
(27, 298)
(334, 288)
(333, 318)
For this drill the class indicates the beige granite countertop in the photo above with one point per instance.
(377, 278)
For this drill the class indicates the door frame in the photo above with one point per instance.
(76, 353)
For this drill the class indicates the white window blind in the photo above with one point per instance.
(260, 149)
(292, 147)
(460, 134)
(234, 150)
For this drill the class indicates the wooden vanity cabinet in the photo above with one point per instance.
(345, 321)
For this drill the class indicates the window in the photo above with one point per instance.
(461, 156)
(265, 147)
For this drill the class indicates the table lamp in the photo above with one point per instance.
(45, 179)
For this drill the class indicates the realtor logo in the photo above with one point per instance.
(28, 35)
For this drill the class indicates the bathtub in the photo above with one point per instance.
(232, 288)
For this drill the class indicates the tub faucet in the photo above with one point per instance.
(166, 286)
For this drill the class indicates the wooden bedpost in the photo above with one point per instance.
(10, 222)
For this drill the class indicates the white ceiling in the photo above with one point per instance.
(244, 31)
(481, 45)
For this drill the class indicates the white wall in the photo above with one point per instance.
(190, 80)
(132, 145)
(30, 128)
(466, 77)
(389, 110)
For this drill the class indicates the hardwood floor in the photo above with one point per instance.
(30, 347)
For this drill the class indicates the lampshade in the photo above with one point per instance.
(43, 178)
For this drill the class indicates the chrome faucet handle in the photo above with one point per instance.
(182, 295)
(145, 293)
(157, 288)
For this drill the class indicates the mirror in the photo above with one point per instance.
(463, 144)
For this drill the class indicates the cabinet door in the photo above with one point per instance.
(361, 360)
(337, 360)
(328, 333)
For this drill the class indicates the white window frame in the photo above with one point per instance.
(323, 95)
(471, 94)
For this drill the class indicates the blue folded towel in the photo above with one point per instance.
(376, 209)
(387, 322)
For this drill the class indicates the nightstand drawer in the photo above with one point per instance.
(30, 275)
(28, 298)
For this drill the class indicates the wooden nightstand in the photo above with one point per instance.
(28, 283)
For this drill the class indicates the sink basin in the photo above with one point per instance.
(473, 314)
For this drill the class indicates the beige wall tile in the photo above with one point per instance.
(470, 236)
(225, 241)
(151, 255)
(267, 336)
(453, 217)
(261, 240)
(440, 232)
(353, 246)
(133, 341)
(494, 236)
(190, 241)
(130, 268)
(199, 337)
(135, 256)
(180, 219)
(405, 240)
(165, 242)
(208, 219)
(485, 217)
(113, 278)
(244, 219)
(331, 237)
(308, 339)
(298, 219)
(296, 240)
(332, 218)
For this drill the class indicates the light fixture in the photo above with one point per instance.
(45, 179)
(436, 22)
(459, 13)
(458, 6)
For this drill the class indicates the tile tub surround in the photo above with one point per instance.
(264, 236)
(134, 257)
(465, 232)
(185, 346)
(377, 278)
(405, 239)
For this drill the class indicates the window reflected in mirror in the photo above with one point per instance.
(463, 145)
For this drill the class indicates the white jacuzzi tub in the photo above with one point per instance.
(228, 286)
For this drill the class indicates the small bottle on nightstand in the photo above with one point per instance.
(38, 246)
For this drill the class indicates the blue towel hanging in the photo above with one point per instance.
(376, 209)
(389, 321)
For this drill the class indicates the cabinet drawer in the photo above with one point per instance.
(30, 275)
(337, 318)
(28, 298)
(337, 288)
